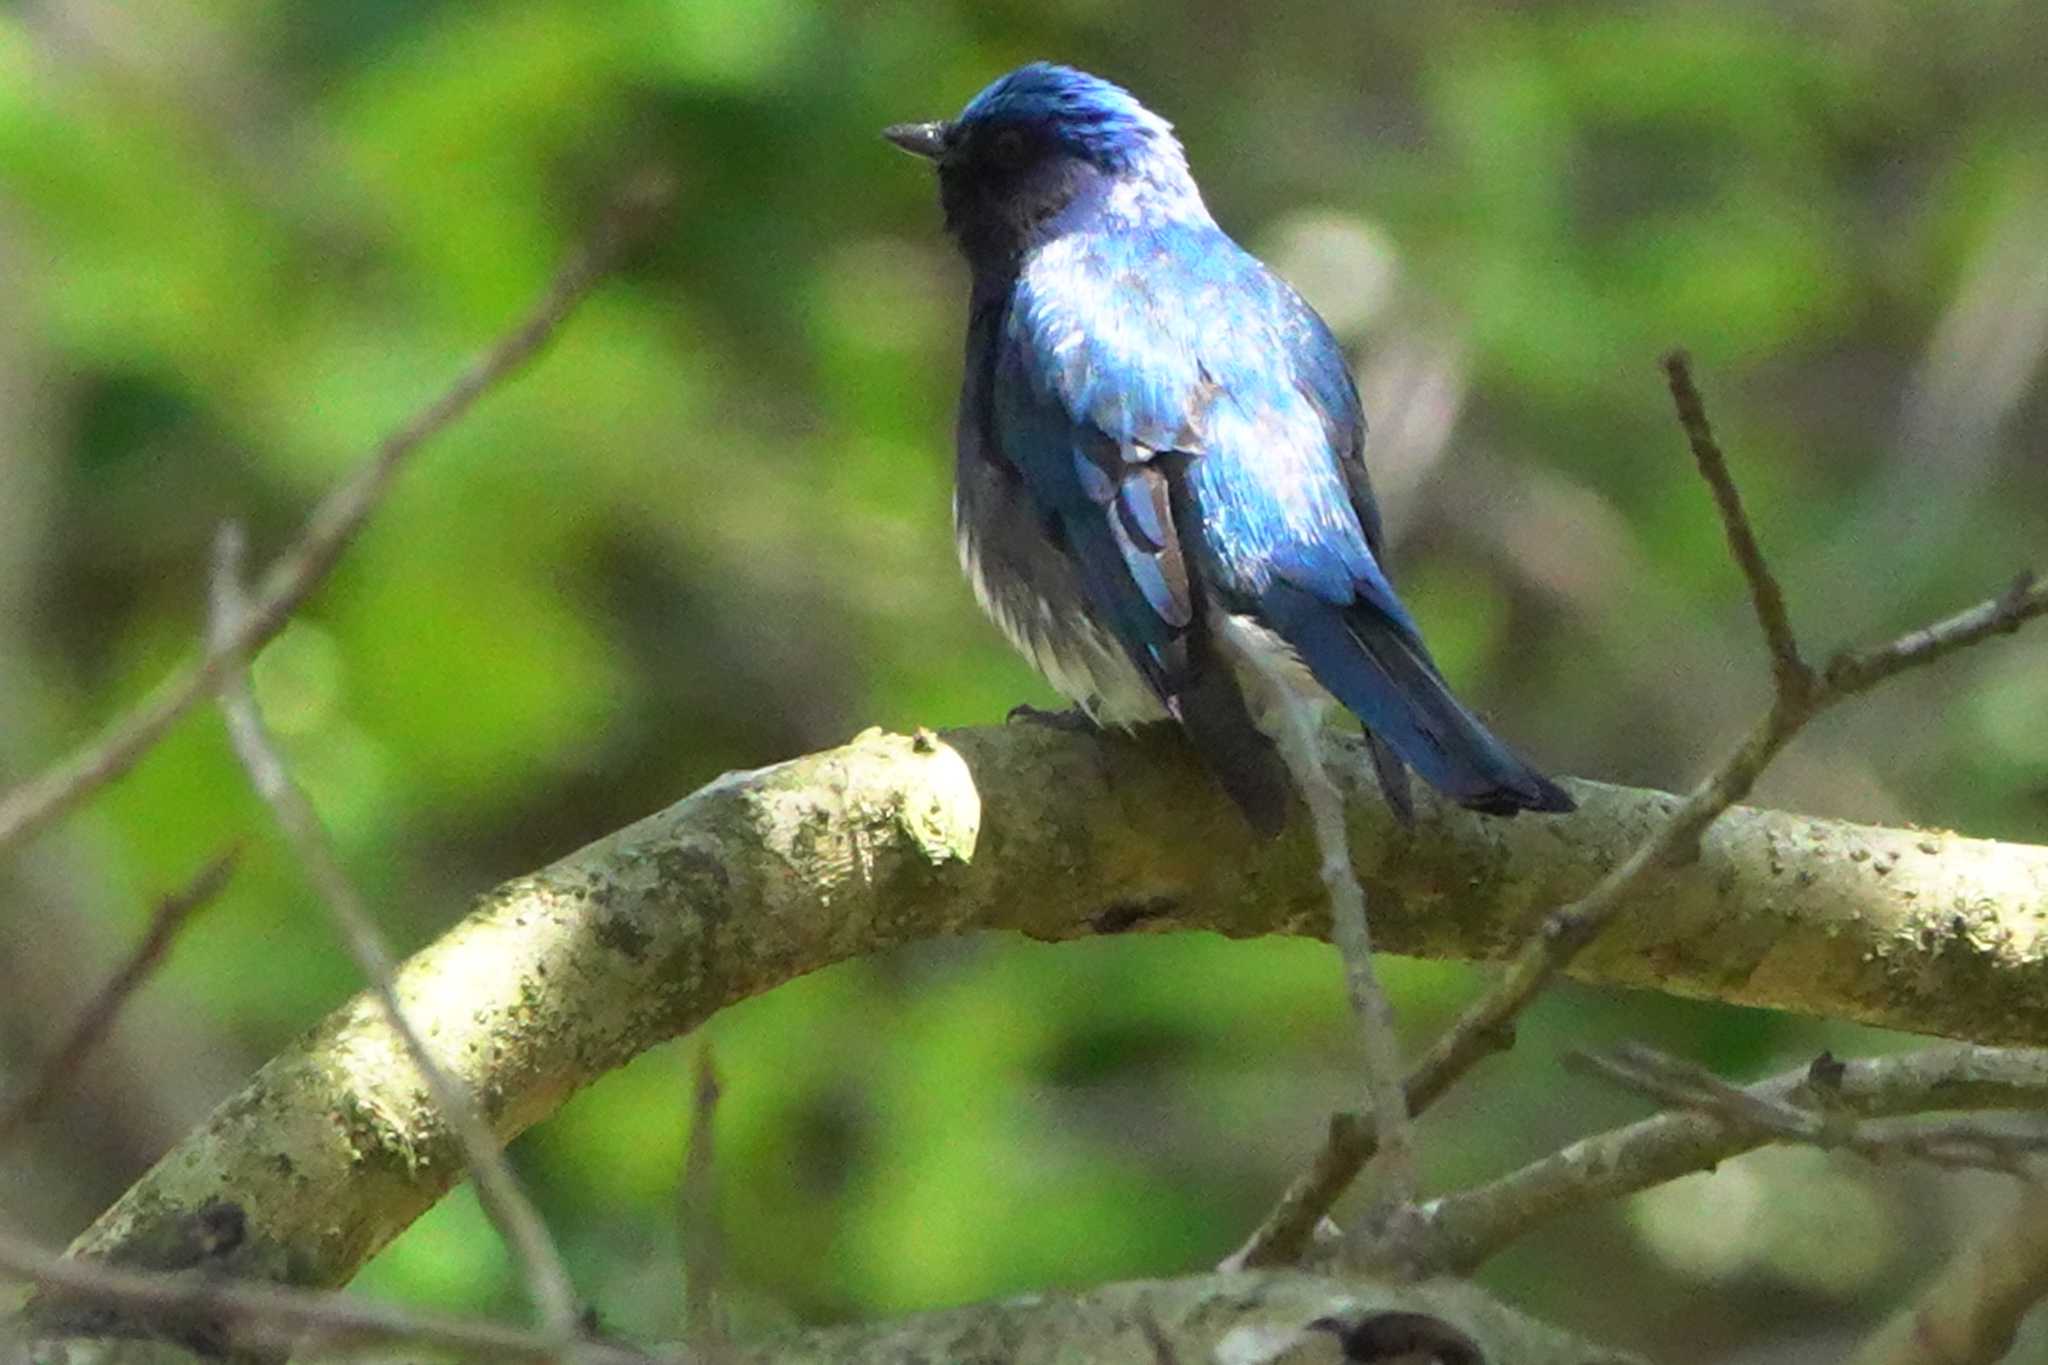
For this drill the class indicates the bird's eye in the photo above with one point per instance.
(1008, 149)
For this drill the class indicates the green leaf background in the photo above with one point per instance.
(239, 240)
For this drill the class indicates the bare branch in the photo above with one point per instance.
(566, 972)
(1300, 743)
(86, 1035)
(329, 530)
(526, 1236)
(210, 1307)
(1487, 1025)
(697, 1218)
(1790, 671)
(1301, 748)
(1964, 1143)
(1970, 1313)
(1186, 1319)
(1462, 1230)
(1853, 671)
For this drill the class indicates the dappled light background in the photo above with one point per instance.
(239, 241)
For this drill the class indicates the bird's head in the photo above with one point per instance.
(1038, 142)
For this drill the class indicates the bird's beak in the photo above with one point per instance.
(927, 140)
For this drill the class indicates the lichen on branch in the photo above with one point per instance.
(760, 877)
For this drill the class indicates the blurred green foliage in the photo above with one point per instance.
(240, 240)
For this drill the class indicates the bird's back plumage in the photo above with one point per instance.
(1161, 455)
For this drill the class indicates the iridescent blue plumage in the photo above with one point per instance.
(1161, 491)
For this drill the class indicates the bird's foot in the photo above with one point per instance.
(1073, 720)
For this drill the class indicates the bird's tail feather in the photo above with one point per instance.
(1385, 677)
(1393, 778)
(1211, 708)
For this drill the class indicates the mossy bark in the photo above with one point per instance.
(760, 877)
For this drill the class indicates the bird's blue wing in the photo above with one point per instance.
(1187, 429)
(1120, 348)
(1287, 512)
(1090, 407)
(1096, 402)
(1324, 377)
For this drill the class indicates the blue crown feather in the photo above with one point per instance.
(1098, 117)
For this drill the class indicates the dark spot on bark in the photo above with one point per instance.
(697, 878)
(1073, 721)
(1401, 1337)
(211, 1238)
(1123, 916)
(622, 936)
(1825, 1073)
(218, 1228)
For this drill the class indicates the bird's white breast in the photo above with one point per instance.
(1075, 655)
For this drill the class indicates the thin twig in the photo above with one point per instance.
(1954, 1143)
(526, 1236)
(1854, 671)
(1970, 1313)
(1487, 1025)
(276, 1316)
(697, 1217)
(170, 916)
(1300, 747)
(1686, 1085)
(329, 530)
(1790, 671)
(1462, 1230)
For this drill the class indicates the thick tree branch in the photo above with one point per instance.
(1249, 1318)
(760, 877)
(1243, 1318)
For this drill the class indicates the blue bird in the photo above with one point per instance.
(1161, 494)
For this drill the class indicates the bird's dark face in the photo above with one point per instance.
(1031, 145)
(1003, 179)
